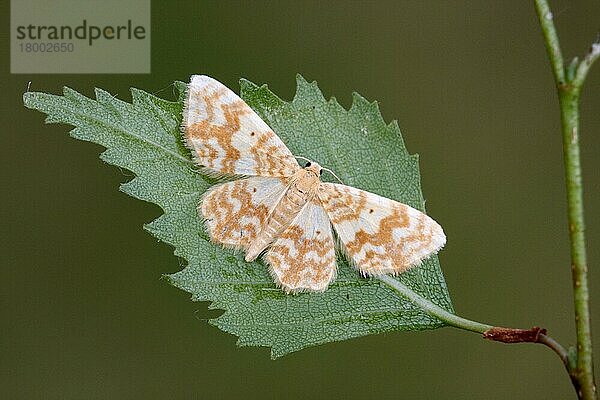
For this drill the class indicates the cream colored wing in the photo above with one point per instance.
(380, 236)
(227, 137)
(236, 211)
(303, 257)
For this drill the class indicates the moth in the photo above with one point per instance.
(284, 211)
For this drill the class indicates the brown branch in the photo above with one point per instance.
(533, 335)
(513, 335)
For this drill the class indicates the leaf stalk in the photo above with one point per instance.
(433, 309)
(498, 334)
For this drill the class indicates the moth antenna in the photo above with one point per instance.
(302, 158)
(333, 173)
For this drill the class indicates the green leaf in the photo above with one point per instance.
(357, 144)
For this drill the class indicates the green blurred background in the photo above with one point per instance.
(85, 314)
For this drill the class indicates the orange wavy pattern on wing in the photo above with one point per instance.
(227, 137)
(380, 235)
(236, 211)
(303, 257)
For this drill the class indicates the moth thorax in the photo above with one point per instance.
(307, 181)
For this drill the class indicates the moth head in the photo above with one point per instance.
(314, 168)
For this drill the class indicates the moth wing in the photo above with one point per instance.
(236, 211)
(303, 257)
(380, 236)
(227, 137)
